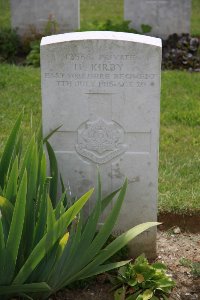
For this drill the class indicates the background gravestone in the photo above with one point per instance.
(104, 89)
(164, 16)
(28, 15)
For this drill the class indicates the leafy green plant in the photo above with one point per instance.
(46, 244)
(142, 281)
(29, 226)
(33, 58)
(123, 26)
(9, 44)
(194, 266)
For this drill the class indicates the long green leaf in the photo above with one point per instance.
(70, 255)
(41, 182)
(100, 239)
(39, 134)
(41, 165)
(65, 201)
(59, 210)
(2, 253)
(69, 261)
(107, 267)
(11, 189)
(106, 229)
(2, 242)
(18, 289)
(40, 227)
(54, 174)
(50, 134)
(19, 146)
(91, 226)
(50, 238)
(32, 173)
(16, 228)
(51, 220)
(48, 267)
(27, 157)
(8, 150)
(7, 209)
(64, 261)
(106, 201)
(116, 245)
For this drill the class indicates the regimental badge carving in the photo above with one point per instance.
(100, 141)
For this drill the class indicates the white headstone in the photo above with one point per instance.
(30, 15)
(104, 89)
(164, 16)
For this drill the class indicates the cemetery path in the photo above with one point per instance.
(173, 245)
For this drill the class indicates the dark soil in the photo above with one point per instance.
(188, 223)
(97, 291)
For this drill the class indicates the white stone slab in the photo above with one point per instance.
(164, 16)
(29, 14)
(104, 89)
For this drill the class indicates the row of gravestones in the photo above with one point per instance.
(164, 16)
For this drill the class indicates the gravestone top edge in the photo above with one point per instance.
(101, 35)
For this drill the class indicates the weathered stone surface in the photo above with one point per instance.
(27, 15)
(164, 16)
(104, 89)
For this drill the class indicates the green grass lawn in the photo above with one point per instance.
(19, 90)
(179, 174)
(102, 10)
